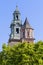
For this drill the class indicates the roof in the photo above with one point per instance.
(16, 10)
(26, 24)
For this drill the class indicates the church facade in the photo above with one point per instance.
(20, 32)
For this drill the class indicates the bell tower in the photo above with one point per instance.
(15, 26)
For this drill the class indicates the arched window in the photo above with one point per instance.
(17, 30)
(17, 17)
(28, 34)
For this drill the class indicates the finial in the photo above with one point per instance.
(16, 8)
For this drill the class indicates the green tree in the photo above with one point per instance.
(22, 54)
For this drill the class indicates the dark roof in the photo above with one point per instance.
(26, 24)
(16, 10)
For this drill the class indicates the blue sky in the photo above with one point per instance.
(32, 9)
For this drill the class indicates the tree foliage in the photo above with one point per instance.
(22, 54)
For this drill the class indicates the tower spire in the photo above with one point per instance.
(16, 8)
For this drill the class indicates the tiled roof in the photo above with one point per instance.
(26, 24)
